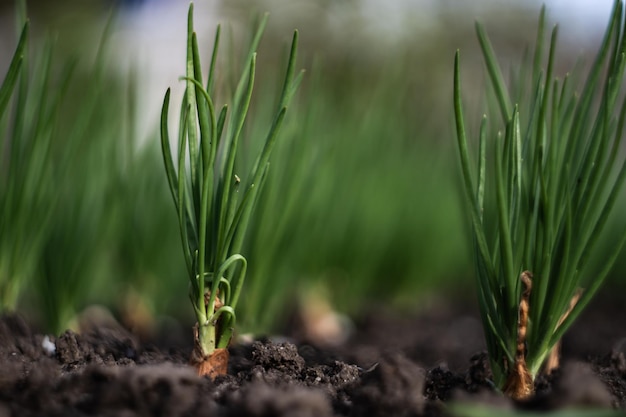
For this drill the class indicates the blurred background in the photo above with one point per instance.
(363, 201)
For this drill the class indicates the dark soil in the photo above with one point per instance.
(390, 366)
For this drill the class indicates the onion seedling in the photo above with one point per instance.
(213, 215)
(544, 181)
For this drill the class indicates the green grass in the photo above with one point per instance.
(540, 190)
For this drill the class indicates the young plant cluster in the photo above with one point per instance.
(213, 215)
(540, 189)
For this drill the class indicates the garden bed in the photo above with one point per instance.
(390, 366)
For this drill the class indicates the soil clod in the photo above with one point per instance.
(393, 388)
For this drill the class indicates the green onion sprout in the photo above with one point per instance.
(540, 188)
(214, 203)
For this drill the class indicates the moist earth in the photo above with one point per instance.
(391, 365)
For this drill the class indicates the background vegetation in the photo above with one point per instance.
(362, 202)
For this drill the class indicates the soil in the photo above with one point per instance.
(391, 365)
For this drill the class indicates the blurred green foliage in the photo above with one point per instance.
(358, 198)
(362, 193)
(84, 208)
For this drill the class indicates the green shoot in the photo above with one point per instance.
(540, 191)
(213, 214)
(12, 75)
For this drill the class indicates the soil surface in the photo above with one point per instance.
(391, 365)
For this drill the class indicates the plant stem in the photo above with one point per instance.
(206, 336)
